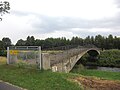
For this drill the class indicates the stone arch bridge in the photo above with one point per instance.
(65, 60)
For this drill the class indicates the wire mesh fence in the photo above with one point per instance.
(24, 56)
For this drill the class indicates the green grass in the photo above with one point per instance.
(37, 80)
(32, 79)
(100, 74)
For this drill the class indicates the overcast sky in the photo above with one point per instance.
(60, 18)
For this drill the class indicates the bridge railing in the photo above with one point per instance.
(63, 56)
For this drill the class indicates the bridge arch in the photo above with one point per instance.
(92, 52)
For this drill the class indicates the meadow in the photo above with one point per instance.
(32, 79)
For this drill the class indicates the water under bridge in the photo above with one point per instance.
(65, 60)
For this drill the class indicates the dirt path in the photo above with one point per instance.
(97, 84)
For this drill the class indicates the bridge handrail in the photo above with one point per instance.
(62, 56)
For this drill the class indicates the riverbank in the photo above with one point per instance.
(111, 69)
(107, 58)
(97, 73)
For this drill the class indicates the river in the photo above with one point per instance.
(112, 69)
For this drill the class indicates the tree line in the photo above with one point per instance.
(110, 42)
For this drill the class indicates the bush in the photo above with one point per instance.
(3, 53)
(106, 58)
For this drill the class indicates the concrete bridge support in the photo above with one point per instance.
(46, 61)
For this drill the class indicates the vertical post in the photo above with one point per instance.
(62, 65)
(40, 62)
(8, 57)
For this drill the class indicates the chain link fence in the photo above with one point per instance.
(24, 56)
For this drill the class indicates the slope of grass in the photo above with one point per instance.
(36, 80)
(32, 79)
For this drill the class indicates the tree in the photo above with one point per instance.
(73, 41)
(115, 42)
(1, 45)
(6, 42)
(99, 41)
(30, 41)
(110, 41)
(20, 43)
(87, 40)
(92, 40)
(4, 8)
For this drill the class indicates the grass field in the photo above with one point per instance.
(3, 60)
(32, 79)
(100, 74)
(36, 80)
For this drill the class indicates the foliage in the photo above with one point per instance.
(109, 58)
(1, 45)
(4, 8)
(23, 64)
(6, 42)
(78, 68)
(20, 42)
(109, 42)
(3, 53)
(99, 41)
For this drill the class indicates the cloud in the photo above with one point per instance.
(61, 18)
(117, 2)
(47, 24)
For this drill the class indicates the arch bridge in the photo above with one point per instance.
(64, 61)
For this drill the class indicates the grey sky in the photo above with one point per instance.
(61, 18)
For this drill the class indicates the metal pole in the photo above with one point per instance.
(8, 57)
(40, 63)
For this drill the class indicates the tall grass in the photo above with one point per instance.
(3, 60)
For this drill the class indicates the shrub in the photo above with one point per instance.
(3, 53)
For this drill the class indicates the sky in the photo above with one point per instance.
(60, 18)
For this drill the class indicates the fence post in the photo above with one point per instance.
(40, 62)
(8, 62)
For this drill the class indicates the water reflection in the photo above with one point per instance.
(113, 69)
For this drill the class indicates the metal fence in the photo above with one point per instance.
(26, 56)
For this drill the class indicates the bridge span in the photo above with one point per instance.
(65, 60)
